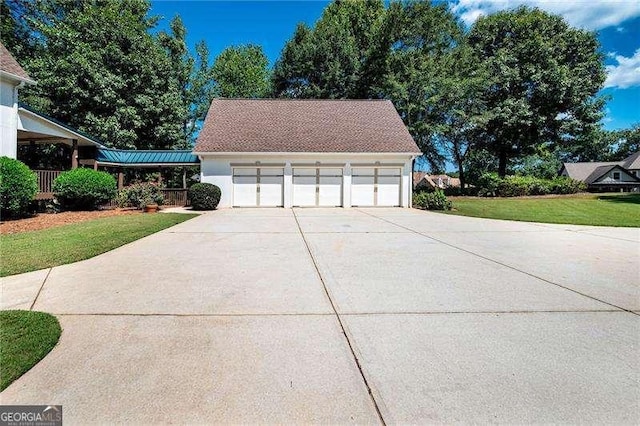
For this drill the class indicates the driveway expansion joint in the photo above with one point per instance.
(341, 324)
(502, 264)
(35, 299)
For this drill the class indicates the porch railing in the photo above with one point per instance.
(45, 180)
(172, 197)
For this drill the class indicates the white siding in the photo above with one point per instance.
(218, 169)
(8, 121)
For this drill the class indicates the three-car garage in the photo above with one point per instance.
(307, 153)
(316, 186)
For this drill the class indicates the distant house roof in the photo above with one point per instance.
(590, 172)
(279, 125)
(632, 162)
(9, 67)
(582, 171)
(122, 157)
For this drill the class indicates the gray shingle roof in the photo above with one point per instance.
(9, 65)
(632, 162)
(581, 171)
(279, 125)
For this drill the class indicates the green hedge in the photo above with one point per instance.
(204, 196)
(18, 187)
(435, 200)
(491, 185)
(84, 189)
(139, 195)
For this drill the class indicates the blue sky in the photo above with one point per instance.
(271, 23)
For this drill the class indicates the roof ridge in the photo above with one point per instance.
(301, 100)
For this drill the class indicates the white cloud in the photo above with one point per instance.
(589, 14)
(626, 73)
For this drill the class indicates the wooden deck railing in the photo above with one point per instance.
(172, 197)
(45, 180)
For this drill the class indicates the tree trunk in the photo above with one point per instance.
(502, 165)
(461, 176)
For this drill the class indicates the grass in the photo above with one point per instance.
(579, 209)
(25, 338)
(30, 251)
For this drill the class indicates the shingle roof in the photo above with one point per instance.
(124, 157)
(581, 171)
(632, 162)
(277, 125)
(9, 65)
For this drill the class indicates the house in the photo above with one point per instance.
(285, 153)
(607, 176)
(422, 180)
(21, 125)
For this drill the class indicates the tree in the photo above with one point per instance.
(100, 70)
(545, 76)
(459, 114)
(330, 61)
(241, 72)
(416, 42)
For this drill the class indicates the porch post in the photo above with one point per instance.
(95, 165)
(159, 176)
(184, 178)
(120, 179)
(74, 153)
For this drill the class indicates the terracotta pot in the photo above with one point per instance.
(151, 208)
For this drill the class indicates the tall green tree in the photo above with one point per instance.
(241, 72)
(99, 69)
(545, 78)
(415, 47)
(331, 60)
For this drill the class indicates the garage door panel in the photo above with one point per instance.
(330, 191)
(304, 190)
(362, 188)
(388, 172)
(362, 171)
(245, 171)
(253, 187)
(317, 186)
(244, 190)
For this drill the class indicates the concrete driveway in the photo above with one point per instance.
(344, 316)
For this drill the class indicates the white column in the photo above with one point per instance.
(407, 186)
(8, 119)
(288, 185)
(346, 186)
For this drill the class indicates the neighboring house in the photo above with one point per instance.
(607, 176)
(285, 153)
(22, 125)
(423, 180)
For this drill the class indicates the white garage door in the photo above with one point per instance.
(375, 186)
(317, 186)
(253, 187)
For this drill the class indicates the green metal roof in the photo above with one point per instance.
(142, 157)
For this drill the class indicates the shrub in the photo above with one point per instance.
(491, 185)
(84, 189)
(435, 200)
(204, 196)
(139, 195)
(18, 186)
(488, 185)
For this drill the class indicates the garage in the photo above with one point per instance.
(306, 153)
(321, 187)
(258, 187)
(376, 186)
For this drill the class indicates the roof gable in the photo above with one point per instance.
(632, 162)
(279, 125)
(601, 171)
(8, 65)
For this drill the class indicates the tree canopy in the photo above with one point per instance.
(241, 72)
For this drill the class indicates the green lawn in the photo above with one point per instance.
(25, 338)
(34, 250)
(579, 209)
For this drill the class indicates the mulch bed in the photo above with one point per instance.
(52, 220)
